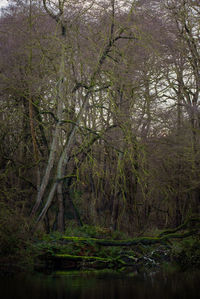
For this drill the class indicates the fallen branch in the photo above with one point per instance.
(189, 223)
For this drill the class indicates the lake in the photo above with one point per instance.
(102, 284)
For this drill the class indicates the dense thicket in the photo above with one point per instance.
(99, 112)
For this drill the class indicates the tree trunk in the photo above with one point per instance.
(61, 208)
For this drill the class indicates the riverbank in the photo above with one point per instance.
(92, 247)
(178, 248)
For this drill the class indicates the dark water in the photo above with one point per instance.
(96, 285)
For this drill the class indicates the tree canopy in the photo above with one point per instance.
(99, 112)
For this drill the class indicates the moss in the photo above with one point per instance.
(190, 223)
(111, 242)
(91, 252)
(81, 258)
(90, 231)
(67, 239)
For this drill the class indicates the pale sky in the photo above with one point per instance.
(3, 3)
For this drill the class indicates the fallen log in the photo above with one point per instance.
(67, 261)
(190, 223)
(81, 258)
(130, 242)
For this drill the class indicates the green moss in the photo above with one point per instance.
(80, 258)
(79, 239)
(111, 242)
(190, 223)
(90, 231)
(92, 252)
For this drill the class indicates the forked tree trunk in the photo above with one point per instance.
(64, 157)
(54, 144)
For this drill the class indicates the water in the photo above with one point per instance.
(102, 285)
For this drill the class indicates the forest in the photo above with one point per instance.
(99, 117)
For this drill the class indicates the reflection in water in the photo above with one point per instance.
(96, 285)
